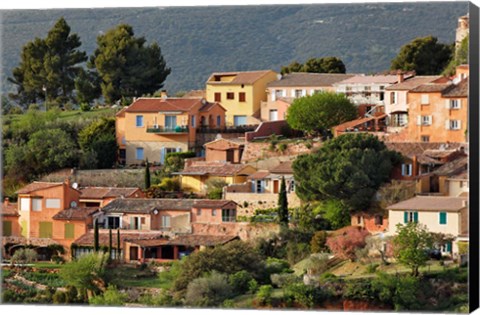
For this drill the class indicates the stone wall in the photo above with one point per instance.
(266, 129)
(246, 231)
(249, 202)
(262, 150)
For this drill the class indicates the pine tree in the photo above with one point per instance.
(283, 204)
(96, 244)
(147, 175)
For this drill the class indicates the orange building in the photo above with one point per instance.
(228, 150)
(439, 112)
(101, 196)
(150, 128)
(9, 214)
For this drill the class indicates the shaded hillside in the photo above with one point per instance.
(199, 40)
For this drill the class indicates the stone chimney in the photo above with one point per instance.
(6, 201)
(400, 77)
(163, 94)
(67, 181)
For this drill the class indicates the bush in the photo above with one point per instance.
(215, 188)
(276, 265)
(169, 184)
(371, 268)
(282, 147)
(24, 256)
(252, 286)
(59, 297)
(297, 251)
(111, 297)
(85, 107)
(284, 279)
(239, 281)
(211, 290)
(264, 295)
(305, 295)
(318, 242)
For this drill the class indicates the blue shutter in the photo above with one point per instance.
(415, 217)
(162, 155)
(405, 217)
(253, 186)
(443, 218)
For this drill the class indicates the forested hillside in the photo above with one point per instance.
(196, 41)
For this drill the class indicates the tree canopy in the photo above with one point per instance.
(349, 168)
(320, 111)
(316, 65)
(99, 142)
(48, 67)
(126, 66)
(425, 55)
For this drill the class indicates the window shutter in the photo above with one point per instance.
(131, 223)
(179, 149)
(263, 186)
(447, 124)
(449, 247)
(304, 92)
(405, 217)
(403, 170)
(459, 103)
(284, 93)
(419, 120)
(430, 119)
(459, 124)
(415, 217)
(253, 186)
(447, 104)
(312, 91)
(274, 96)
(162, 155)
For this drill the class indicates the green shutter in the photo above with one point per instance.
(69, 231)
(131, 223)
(405, 217)
(7, 228)
(24, 229)
(449, 247)
(45, 229)
(415, 217)
(443, 218)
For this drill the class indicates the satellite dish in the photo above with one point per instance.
(155, 211)
(73, 204)
(75, 185)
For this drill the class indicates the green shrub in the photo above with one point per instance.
(264, 295)
(282, 147)
(211, 290)
(371, 268)
(240, 281)
(60, 297)
(252, 286)
(24, 256)
(276, 265)
(318, 242)
(111, 297)
(85, 107)
(228, 304)
(283, 279)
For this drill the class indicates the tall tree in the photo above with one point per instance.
(316, 65)
(110, 241)
(349, 168)
(425, 55)
(48, 67)
(283, 204)
(126, 66)
(147, 175)
(319, 112)
(118, 244)
(99, 137)
(96, 240)
(87, 85)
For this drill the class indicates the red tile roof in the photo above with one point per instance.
(34, 241)
(409, 149)
(213, 168)
(283, 168)
(259, 175)
(87, 239)
(37, 186)
(458, 90)
(309, 79)
(431, 88)
(9, 210)
(370, 79)
(201, 240)
(75, 214)
(430, 203)
(210, 204)
(208, 106)
(108, 192)
(159, 104)
(413, 82)
(241, 77)
(147, 206)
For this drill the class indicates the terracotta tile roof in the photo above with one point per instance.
(107, 192)
(409, 149)
(370, 79)
(75, 214)
(259, 175)
(213, 168)
(283, 168)
(453, 167)
(288, 100)
(241, 77)
(201, 240)
(159, 104)
(147, 206)
(429, 203)
(353, 123)
(9, 210)
(223, 144)
(435, 153)
(20, 240)
(195, 94)
(431, 88)
(36, 186)
(458, 90)
(121, 113)
(413, 82)
(208, 106)
(150, 243)
(87, 239)
(211, 204)
(460, 176)
(309, 79)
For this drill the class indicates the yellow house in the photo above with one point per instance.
(195, 175)
(241, 93)
(150, 128)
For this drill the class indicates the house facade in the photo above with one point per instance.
(9, 214)
(228, 150)
(282, 92)
(150, 128)
(240, 93)
(101, 196)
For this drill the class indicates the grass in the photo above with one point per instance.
(45, 278)
(69, 115)
(47, 265)
(130, 276)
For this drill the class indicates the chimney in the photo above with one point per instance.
(6, 201)
(163, 94)
(464, 203)
(400, 77)
(67, 181)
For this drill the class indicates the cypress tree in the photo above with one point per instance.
(110, 242)
(96, 244)
(147, 175)
(118, 244)
(283, 204)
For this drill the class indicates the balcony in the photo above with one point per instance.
(167, 130)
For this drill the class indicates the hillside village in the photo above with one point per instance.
(234, 136)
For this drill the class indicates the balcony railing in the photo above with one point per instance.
(227, 129)
(162, 129)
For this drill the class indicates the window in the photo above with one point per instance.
(113, 222)
(214, 212)
(443, 218)
(192, 121)
(378, 220)
(382, 87)
(381, 96)
(393, 97)
(298, 93)
(316, 91)
(446, 248)
(425, 99)
(273, 115)
(7, 228)
(37, 204)
(368, 94)
(230, 96)
(241, 97)
(454, 104)
(410, 216)
(218, 97)
(260, 186)
(52, 203)
(139, 154)
(228, 215)
(170, 122)
(406, 169)
(24, 204)
(278, 94)
(424, 120)
(165, 221)
(367, 88)
(239, 120)
(348, 88)
(219, 120)
(199, 211)
(291, 188)
(45, 229)
(69, 231)
(425, 138)
(359, 219)
(139, 121)
(455, 124)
